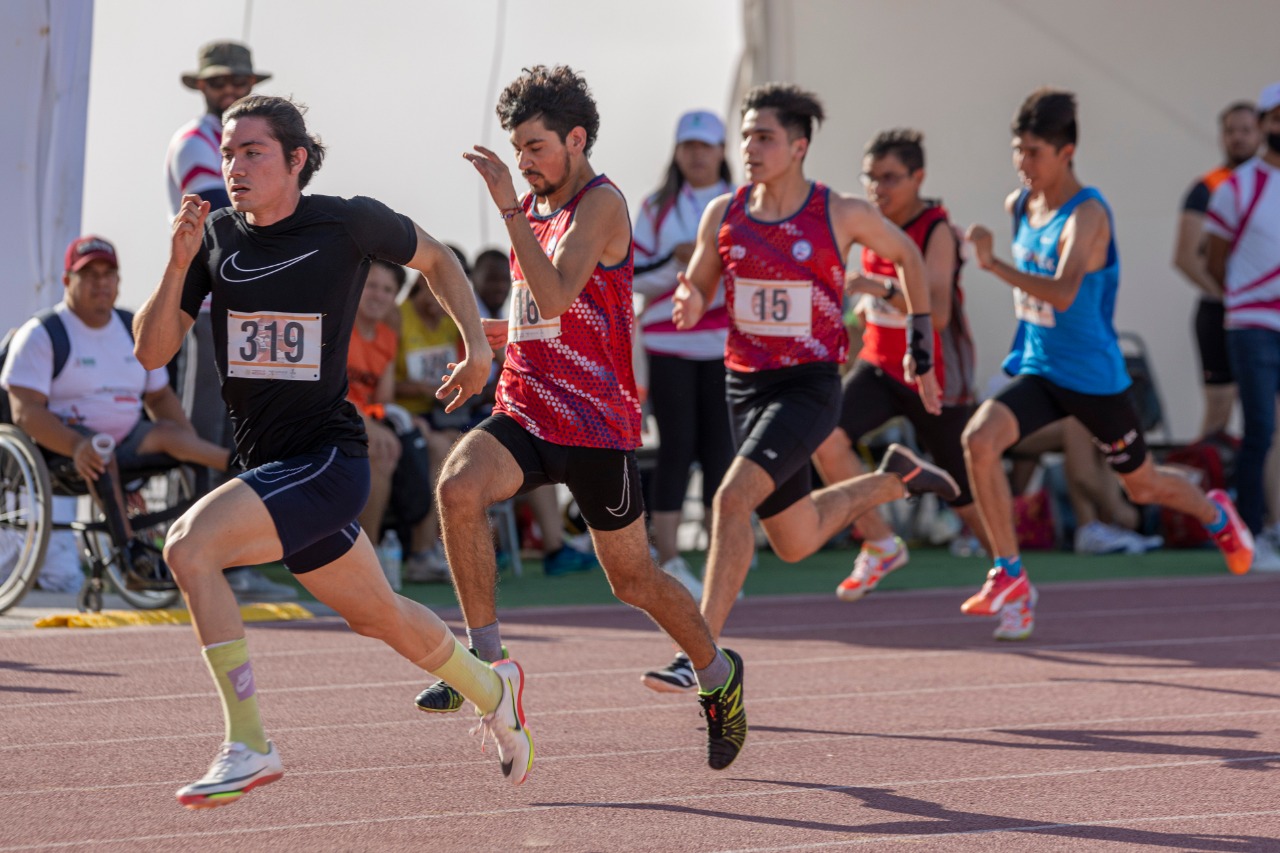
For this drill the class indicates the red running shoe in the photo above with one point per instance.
(999, 590)
(1235, 540)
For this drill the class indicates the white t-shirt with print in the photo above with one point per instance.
(102, 384)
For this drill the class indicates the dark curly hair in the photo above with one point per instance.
(284, 117)
(559, 96)
(905, 144)
(796, 108)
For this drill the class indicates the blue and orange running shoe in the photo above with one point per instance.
(1235, 541)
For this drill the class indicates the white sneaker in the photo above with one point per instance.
(236, 771)
(870, 567)
(506, 724)
(1266, 557)
(1018, 620)
(1098, 538)
(679, 569)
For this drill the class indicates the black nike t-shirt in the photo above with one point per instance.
(284, 301)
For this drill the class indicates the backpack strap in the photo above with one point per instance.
(57, 332)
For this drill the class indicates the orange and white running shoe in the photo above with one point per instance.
(1234, 540)
(999, 590)
(870, 567)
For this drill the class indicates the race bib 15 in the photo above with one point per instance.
(777, 309)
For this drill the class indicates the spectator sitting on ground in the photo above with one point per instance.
(101, 388)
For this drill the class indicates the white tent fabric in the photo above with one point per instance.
(42, 139)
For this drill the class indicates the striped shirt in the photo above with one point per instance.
(194, 160)
(1245, 211)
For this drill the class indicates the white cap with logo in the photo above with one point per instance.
(700, 126)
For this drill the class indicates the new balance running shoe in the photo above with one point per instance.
(1234, 540)
(441, 698)
(999, 590)
(726, 717)
(506, 725)
(676, 677)
(1018, 620)
(870, 567)
(235, 772)
(918, 476)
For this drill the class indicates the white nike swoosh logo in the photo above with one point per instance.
(258, 272)
(277, 476)
(625, 504)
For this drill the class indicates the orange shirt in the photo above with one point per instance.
(366, 362)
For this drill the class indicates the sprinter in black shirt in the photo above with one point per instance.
(285, 272)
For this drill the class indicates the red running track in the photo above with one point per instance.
(1142, 715)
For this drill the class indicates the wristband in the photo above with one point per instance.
(920, 341)
(508, 212)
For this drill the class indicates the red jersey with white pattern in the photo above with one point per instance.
(568, 380)
(784, 286)
(884, 343)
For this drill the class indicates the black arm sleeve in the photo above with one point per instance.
(379, 231)
(1197, 198)
(198, 282)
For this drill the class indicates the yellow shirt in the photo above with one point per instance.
(424, 354)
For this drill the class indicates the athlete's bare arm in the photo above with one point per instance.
(940, 260)
(1083, 249)
(858, 221)
(700, 279)
(600, 234)
(448, 282)
(1188, 258)
(161, 324)
(1216, 250)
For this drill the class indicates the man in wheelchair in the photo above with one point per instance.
(71, 374)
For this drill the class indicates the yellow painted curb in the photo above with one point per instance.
(130, 618)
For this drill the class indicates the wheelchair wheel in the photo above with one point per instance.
(26, 508)
(156, 493)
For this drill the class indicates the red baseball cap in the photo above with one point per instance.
(89, 248)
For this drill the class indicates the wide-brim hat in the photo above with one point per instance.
(223, 58)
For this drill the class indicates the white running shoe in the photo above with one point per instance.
(236, 771)
(1018, 620)
(1266, 556)
(679, 569)
(506, 724)
(870, 567)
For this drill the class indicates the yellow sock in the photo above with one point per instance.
(233, 674)
(466, 673)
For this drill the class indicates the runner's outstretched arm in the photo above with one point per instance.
(699, 281)
(449, 283)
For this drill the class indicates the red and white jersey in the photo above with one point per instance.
(1245, 210)
(784, 286)
(568, 380)
(194, 160)
(884, 342)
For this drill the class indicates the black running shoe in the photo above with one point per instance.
(675, 677)
(726, 717)
(918, 476)
(441, 698)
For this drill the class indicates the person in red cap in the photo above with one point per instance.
(62, 399)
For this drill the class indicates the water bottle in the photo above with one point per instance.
(390, 556)
(103, 445)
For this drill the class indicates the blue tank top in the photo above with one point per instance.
(1077, 348)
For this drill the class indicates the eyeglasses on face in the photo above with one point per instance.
(887, 180)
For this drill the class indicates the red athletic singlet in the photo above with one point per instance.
(784, 286)
(568, 380)
(884, 343)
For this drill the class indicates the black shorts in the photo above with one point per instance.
(314, 499)
(604, 482)
(1112, 419)
(872, 397)
(780, 417)
(1211, 340)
